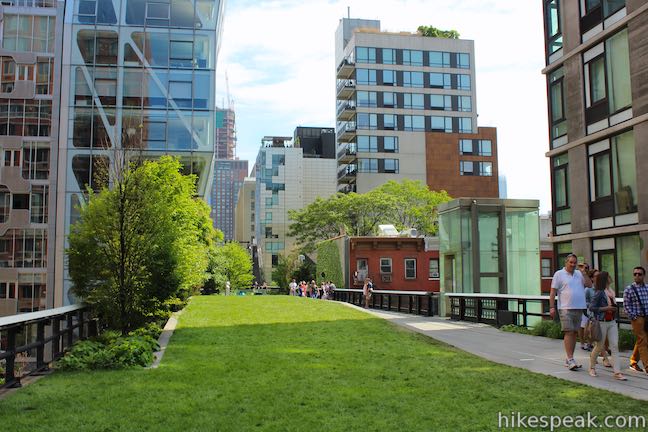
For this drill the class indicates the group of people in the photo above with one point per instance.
(310, 289)
(583, 296)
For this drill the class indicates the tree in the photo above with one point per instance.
(139, 243)
(231, 262)
(409, 204)
(294, 265)
(430, 31)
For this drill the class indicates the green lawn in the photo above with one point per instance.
(272, 363)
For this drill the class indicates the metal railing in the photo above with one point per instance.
(416, 302)
(30, 342)
(502, 309)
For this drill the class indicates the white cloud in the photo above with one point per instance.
(279, 57)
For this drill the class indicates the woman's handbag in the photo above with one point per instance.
(593, 330)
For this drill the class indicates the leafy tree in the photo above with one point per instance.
(329, 263)
(409, 204)
(430, 31)
(139, 243)
(290, 267)
(231, 262)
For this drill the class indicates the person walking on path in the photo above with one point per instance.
(603, 308)
(293, 287)
(367, 291)
(635, 303)
(570, 285)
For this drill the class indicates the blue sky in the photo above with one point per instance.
(279, 59)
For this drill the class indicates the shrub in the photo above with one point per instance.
(627, 339)
(547, 328)
(110, 350)
(512, 328)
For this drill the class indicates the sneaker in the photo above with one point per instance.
(571, 364)
(635, 368)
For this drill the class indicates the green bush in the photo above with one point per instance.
(512, 328)
(547, 328)
(627, 339)
(110, 350)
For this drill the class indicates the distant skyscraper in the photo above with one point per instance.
(228, 179)
(226, 134)
(503, 188)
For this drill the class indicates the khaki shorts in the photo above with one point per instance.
(570, 319)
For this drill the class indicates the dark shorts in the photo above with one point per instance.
(570, 319)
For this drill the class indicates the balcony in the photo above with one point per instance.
(345, 110)
(346, 132)
(347, 153)
(345, 69)
(347, 174)
(347, 188)
(345, 89)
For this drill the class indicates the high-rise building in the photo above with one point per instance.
(406, 109)
(289, 177)
(228, 179)
(245, 210)
(29, 93)
(135, 75)
(598, 129)
(226, 134)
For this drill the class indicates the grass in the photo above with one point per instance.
(271, 363)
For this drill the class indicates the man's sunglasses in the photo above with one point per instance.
(637, 274)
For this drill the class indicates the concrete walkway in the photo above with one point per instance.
(537, 354)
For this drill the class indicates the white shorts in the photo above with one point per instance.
(584, 321)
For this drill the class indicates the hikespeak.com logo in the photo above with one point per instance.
(518, 420)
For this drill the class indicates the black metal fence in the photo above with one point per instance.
(30, 342)
(503, 309)
(416, 302)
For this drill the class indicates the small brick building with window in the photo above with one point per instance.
(393, 263)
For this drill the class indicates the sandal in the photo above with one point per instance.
(607, 363)
(592, 372)
(619, 376)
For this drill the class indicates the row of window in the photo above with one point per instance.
(476, 168)
(373, 165)
(413, 123)
(35, 160)
(25, 117)
(24, 248)
(11, 72)
(476, 147)
(612, 180)
(375, 144)
(372, 99)
(409, 57)
(412, 79)
(386, 268)
(28, 33)
(35, 202)
(606, 72)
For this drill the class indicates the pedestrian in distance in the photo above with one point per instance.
(367, 292)
(293, 287)
(603, 308)
(635, 303)
(568, 284)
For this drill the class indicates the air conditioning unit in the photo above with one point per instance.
(386, 278)
(434, 275)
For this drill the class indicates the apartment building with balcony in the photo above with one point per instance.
(596, 68)
(398, 96)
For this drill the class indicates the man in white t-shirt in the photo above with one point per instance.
(293, 287)
(570, 285)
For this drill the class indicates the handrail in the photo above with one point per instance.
(418, 302)
(35, 316)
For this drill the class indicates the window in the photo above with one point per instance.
(365, 55)
(362, 269)
(413, 101)
(560, 179)
(463, 61)
(20, 202)
(389, 99)
(389, 121)
(557, 104)
(367, 121)
(414, 123)
(465, 124)
(180, 54)
(366, 76)
(410, 268)
(368, 165)
(466, 168)
(28, 33)
(388, 56)
(35, 162)
(391, 166)
(485, 148)
(545, 268)
(385, 265)
(485, 169)
(366, 99)
(5, 203)
(433, 269)
(389, 77)
(596, 75)
(617, 58)
(268, 216)
(412, 79)
(413, 58)
(464, 103)
(463, 82)
(552, 26)
(367, 144)
(390, 144)
(441, 124)
(439, 59)
(38, 208)
(466, 147)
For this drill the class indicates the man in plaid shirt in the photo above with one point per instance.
(635, 303)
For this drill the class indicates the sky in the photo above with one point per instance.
(279, 59)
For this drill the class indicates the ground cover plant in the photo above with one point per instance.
(275, 363)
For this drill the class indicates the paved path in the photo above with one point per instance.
(537, 354)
